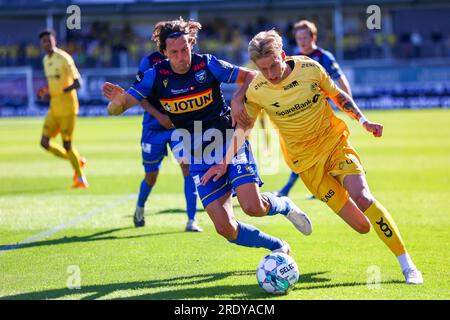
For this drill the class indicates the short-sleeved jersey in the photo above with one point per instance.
(299, 110)
(191, 97)
(149, 122)
(326, 60)
(60, 71)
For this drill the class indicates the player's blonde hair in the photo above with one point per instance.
(264, 44)
(305, 25)
(173, 29)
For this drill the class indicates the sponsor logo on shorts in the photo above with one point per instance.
(146, 147)
(197, 180)
(328, 196)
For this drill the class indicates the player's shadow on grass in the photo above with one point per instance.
(32, 190)
(175, 210)
(98, 236)
(179, 210)
(169, 289)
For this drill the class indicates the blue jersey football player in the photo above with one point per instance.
(188, 87)
(156, 132)
(305, 33)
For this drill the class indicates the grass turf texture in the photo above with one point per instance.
(407, 171)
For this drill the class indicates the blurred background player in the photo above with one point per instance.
(305, 33)
(63, 80)
(156, 132)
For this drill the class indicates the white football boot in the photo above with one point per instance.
(192, 226)
(300, 220)
(413, 276)
(138, 218)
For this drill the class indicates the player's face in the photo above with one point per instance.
(305, 41)
(48, 43)
(178, 51)
(272, 67)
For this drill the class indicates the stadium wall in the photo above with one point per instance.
(414, 85)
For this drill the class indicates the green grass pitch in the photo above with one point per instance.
(98, 248)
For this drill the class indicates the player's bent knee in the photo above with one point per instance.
(67, 145)
(226, 230)
(364, 200)
(363, 227)
(150, 178)
(253, 209)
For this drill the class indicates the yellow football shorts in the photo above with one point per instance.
(325, 178)
(54, 125)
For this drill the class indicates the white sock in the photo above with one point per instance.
(406, 262)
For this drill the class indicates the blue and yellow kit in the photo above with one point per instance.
(312, 138)
(195, 105)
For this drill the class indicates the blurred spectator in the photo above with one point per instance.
(108, 44)
(437, 39)
(416, 42)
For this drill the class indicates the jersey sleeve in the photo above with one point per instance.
(331, 66)
(143, 85)
(222, 70)
(71, 68)
(144, 65)
(327, 85)
(251, 106)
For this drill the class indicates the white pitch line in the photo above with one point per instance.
(74, 221)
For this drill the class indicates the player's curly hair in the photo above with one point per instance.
(175, 28)
(265, 44)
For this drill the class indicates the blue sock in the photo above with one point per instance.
(190, 193)
(249, 236)
(277, 204)
(287, 188)
(144, 191)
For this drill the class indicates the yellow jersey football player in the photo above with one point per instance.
(63, 80)
(293, 91)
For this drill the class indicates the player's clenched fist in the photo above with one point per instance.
(375, 128)
(116, 95)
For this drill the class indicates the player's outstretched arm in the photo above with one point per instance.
(346, 104)
(238, 114)
(119, 100)
(163, 119)
(238, 139)
(344, 85)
